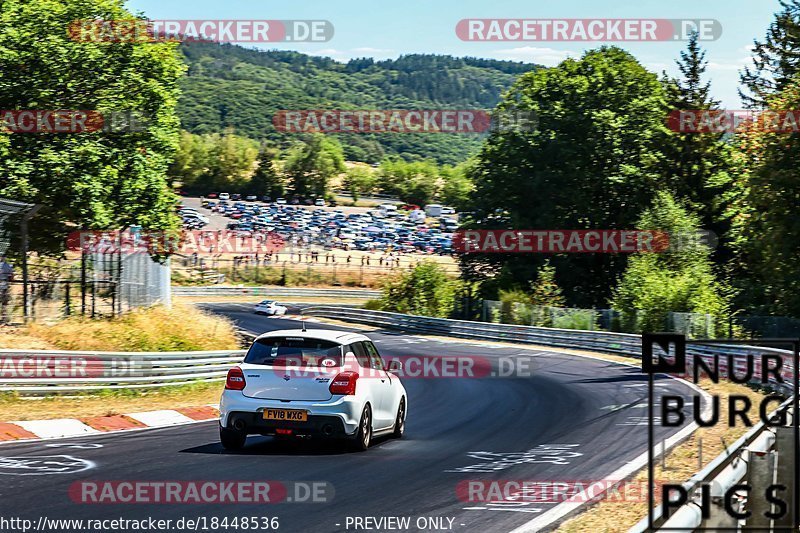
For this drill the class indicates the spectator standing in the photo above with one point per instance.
(6, 277)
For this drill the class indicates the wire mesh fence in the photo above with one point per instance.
(96, 285)
(693, 325)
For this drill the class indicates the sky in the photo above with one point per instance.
(389, 29)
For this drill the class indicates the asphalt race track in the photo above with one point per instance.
(574, 419)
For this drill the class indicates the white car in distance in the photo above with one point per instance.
(269, 307)
(322, 383)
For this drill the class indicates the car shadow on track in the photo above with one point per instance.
(284, 447)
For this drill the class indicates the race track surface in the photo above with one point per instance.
(574, 418)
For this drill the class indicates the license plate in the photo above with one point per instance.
(291, 415)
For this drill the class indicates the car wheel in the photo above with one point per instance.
(400, 421)
(364, 433)
(232, 439)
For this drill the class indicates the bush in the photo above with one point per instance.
(373, 305)
(426, 290)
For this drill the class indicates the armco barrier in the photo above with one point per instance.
(730, 467)
(84, 371)
(624, 344)
(137, 369)
(274, 292)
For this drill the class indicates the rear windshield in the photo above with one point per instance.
(295, 352)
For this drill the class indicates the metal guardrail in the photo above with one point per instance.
(623, 344)
(727, 469)
(751, 458)
(278, 292)
(86, 371)
(43, 372)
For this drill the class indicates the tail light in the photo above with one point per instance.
(344, 383)
(235, 380)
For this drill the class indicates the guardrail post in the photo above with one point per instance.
(719, 517)
(760, 475)
(785, 446)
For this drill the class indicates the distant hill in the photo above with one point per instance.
(232, 86)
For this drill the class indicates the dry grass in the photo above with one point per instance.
(109, 403)
(182, 328)
(157, 329)
(12, 338)
(681, 463)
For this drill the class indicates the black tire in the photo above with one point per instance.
(232, 439)
(400, 420)
(363, 436)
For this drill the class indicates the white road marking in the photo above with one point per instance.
(60, 427)
(166, 417)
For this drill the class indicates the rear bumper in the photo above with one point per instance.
(328, 426)
(343, 413)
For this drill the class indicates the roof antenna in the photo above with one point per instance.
(304, 325)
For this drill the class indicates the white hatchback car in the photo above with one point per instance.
(320, 383)
(269, 307)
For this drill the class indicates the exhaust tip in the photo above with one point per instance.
(327, 430)
(238, 424)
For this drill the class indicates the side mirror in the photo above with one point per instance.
(395, 366)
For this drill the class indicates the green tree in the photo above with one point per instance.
(89, 180)
(680, 279)
(266, 180)
(776, 60)
(359, 180)
(593, 160)
(232, 160)
(698, 166)
(413, 182)
(456, 185)
(191, 160)
(767, 228)
(426, 290)
(545, 290)
(311, 165)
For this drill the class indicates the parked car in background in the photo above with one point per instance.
(433, 210)
(224, 196)
(319, 202)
